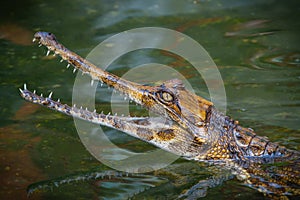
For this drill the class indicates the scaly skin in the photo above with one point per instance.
(193, 128)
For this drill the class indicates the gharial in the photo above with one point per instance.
(194, 128)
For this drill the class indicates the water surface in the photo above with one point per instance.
(254, 44)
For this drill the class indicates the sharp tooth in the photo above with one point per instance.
(21, 90)
(86, 109)
(116, 114)
(62, 60)
(68, 65)
(54, 54)
(108, 114)
(58, 100)
(33, 40)
(40, 45)
(34, 91)
(92, 82)
(74, 70)
(41, 95)
(101, 84)
(125, 98)
(94, 110)
(47, 54)
(25, 86)
(74, 105)
(50, 95)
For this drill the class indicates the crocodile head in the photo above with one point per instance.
(183, 129)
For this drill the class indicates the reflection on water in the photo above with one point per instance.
(254, 43)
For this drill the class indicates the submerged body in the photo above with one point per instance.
(193, 127)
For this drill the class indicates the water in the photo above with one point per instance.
(255, 44)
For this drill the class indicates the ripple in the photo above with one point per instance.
(290, 59)
(266, 59)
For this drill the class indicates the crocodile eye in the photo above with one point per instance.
(167, 96)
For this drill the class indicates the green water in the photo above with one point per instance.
(254, 43)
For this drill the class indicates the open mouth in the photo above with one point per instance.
(165, 132)
(133, 91)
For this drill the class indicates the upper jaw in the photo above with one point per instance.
(134, 91)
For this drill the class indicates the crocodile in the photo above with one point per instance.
(193, 127)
